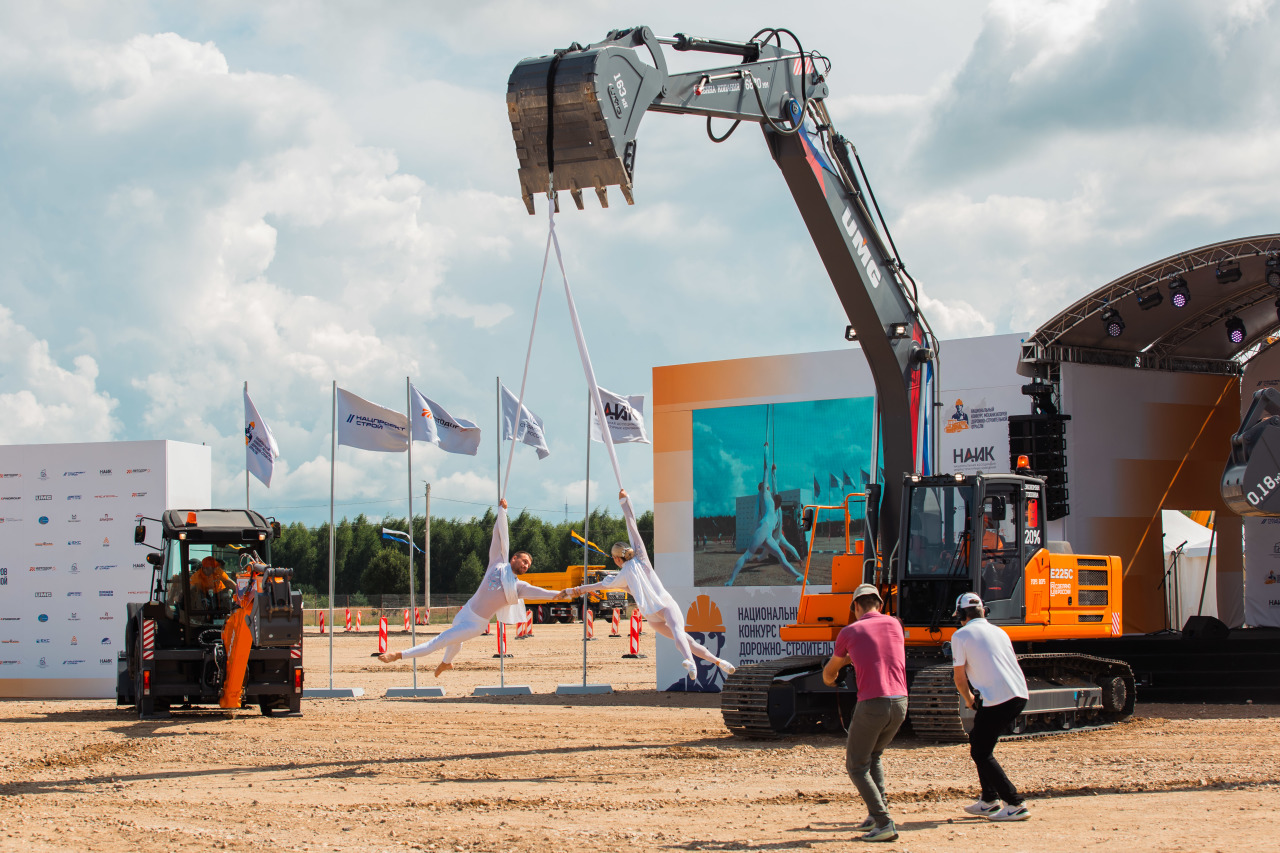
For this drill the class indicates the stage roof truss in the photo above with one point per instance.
(1193, 338)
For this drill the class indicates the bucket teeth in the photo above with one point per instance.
(577, 197)
(602, 193)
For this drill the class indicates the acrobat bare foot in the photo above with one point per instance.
(443, 667)
(389, 657)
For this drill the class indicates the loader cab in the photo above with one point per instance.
(967, 533)
(188, 537)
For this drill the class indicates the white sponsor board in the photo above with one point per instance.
(68, 563)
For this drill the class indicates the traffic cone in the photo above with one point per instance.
(634, 644)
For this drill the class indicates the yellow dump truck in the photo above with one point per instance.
(602, 602)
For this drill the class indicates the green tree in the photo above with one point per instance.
(468, 578)
(386, 574)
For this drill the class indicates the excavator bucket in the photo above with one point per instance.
(583, 105)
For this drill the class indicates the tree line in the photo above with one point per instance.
(366, 564)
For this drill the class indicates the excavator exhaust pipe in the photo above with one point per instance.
(582, 105)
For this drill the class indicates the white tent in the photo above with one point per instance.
(1183, 587)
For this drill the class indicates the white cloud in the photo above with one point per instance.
(52, 404)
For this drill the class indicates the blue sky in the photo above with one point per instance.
(192, 195)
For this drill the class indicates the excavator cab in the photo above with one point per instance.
(967, 534)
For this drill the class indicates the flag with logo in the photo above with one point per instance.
(625, 416)
(432, 423)
(368, 426)
(529, 430)
(261, 450)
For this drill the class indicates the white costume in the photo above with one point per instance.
(768, 532)
(500, 595)
(659, 608)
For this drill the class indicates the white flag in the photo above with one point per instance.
(530, 429)
(261, 450)
(432, 423)
(369, 426)
(625, 416)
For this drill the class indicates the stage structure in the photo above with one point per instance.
(68, 563)
(719, 430)
(1149, 367)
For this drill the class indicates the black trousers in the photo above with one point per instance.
(988, 724)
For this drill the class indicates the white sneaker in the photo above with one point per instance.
(982, 808)
(1018, 812)
(726, 667)
(691, 668)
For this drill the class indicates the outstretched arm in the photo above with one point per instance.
(613, 581)
(500, 546)
(633, 532)
(528, 590)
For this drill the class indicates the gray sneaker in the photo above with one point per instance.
(868, 824)
(888, 832)
(982, 808)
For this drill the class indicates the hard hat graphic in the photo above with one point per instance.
(704, 616)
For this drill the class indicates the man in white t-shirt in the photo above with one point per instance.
(984, 658)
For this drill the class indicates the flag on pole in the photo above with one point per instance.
(847, 481)
(625, 416)
(835, 484)
(577, 537)
(432, 423)
(817, 490)
(866, 478)
(368, 426)
(530, 429)
(261, 450)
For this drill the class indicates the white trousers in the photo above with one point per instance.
(668, 622)
(467, 625)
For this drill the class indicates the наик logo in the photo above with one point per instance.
(44, 519)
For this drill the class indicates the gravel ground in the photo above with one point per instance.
(633, 770)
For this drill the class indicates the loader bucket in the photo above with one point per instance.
(598, 96)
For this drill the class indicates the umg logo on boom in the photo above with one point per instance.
(860, 246)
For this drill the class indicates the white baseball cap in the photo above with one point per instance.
(967, 599)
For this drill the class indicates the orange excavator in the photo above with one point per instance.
(929, 537)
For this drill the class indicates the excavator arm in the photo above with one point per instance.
(575, 114)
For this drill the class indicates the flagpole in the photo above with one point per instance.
(246, 455)
(333, 537)
(413, 601)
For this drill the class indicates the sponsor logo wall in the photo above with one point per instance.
(697, 452)
(67, 556)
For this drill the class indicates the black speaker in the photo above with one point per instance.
(1042, 439)
(1204, 628)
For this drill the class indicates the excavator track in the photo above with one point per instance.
(745, 698)
(1069, 692)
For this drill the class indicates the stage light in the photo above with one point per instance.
(1273, 270)
(1150, 299)
(1113, 322)
(1179, 293)
(1235, 330)
(1228, 272)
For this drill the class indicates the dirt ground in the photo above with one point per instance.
(634, 770)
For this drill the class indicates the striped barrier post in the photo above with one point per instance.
(589, 623)
(348, 628)
(502, 641)
(615, 623)
(406, 620)
(357, 621)
(382, 635)
(634, 640)
(321, 621)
